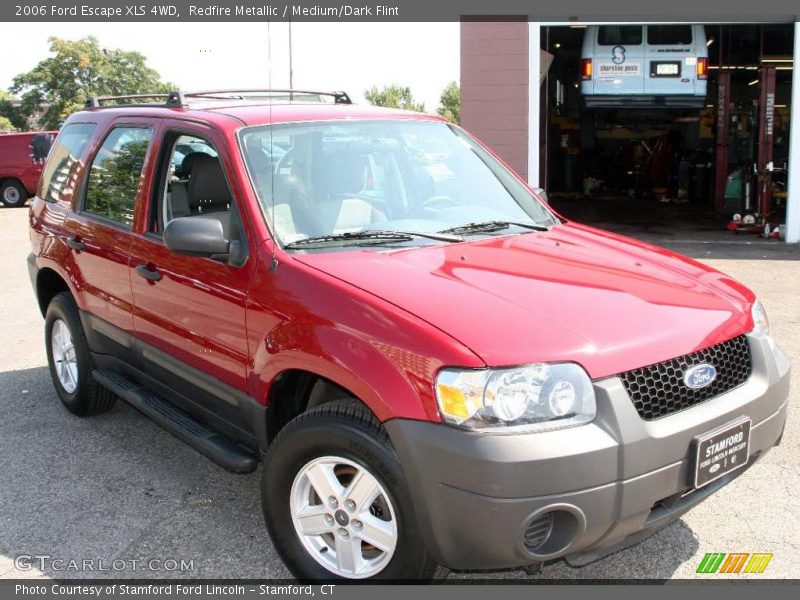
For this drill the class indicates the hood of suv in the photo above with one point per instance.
(570, 294)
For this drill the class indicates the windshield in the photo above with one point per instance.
(339, 177)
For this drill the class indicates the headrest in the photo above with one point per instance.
(207, 187)
(189, 162)
(343, 173)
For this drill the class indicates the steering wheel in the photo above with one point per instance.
(435, 202)
(284, 159)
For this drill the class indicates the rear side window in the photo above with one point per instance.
(616, 35)
(669, 35)
(68, 149)
(115, 174)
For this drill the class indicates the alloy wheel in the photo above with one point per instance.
(344, 517)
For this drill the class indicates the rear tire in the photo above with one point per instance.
(70, 360)
(346, 441)
(13, 194)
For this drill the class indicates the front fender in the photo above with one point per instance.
(393, 383)
(301, 318)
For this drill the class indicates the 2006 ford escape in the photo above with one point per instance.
(437, 370)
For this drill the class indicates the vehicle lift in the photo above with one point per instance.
(766, 136)
(765, 110)
(724, 111)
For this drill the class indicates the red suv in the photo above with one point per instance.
(437, 370)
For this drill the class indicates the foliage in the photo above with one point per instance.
(450, 103)
(10, 117)
(79, 69)
(6, 125)
(393, 96)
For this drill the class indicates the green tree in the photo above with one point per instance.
(450, 103)
(80, 69)
(10, 117)
(393, 96)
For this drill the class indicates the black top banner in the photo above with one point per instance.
(583, 11)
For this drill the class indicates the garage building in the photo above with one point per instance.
(647, 161)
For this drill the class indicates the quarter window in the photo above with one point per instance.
(115, 174)
(59, 175)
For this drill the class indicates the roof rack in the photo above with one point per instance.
(171, 100)
(178, 99)
(339, 97)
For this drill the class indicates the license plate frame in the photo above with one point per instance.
(705, 457)
(674, 68)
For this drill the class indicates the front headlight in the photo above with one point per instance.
(760, 321)
(538, 397)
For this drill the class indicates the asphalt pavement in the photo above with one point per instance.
(122, 493)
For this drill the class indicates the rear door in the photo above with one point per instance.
(671, 59)
(618, 62)
(99, 231)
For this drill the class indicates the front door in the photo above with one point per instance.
(189, 312)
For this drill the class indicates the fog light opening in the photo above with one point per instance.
(549, 532)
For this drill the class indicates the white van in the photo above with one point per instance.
(644, 65)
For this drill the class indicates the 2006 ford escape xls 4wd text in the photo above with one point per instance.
(437, 370)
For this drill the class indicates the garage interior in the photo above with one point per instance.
(659, 172)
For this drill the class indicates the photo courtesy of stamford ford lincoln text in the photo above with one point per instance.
(324, 299)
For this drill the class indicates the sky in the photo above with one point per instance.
(326, 56)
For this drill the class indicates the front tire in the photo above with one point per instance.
(336, 503)
(70, 360)
(13, 194)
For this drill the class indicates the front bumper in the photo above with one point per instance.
(611, 483)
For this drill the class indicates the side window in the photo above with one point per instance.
(193, 184)
(115, 174)
(69, 148)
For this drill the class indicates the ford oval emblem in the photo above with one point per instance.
(700, 376)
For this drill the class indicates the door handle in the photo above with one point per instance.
(150, 274)
(75, 243)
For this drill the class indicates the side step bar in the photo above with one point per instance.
(206, 441)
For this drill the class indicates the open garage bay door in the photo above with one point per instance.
(671, 129)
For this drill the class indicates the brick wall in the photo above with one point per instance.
(494, 87)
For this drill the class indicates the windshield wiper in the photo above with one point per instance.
(489, 226)
(371, 236)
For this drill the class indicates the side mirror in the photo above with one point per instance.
(542, 194)
(197, 236)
